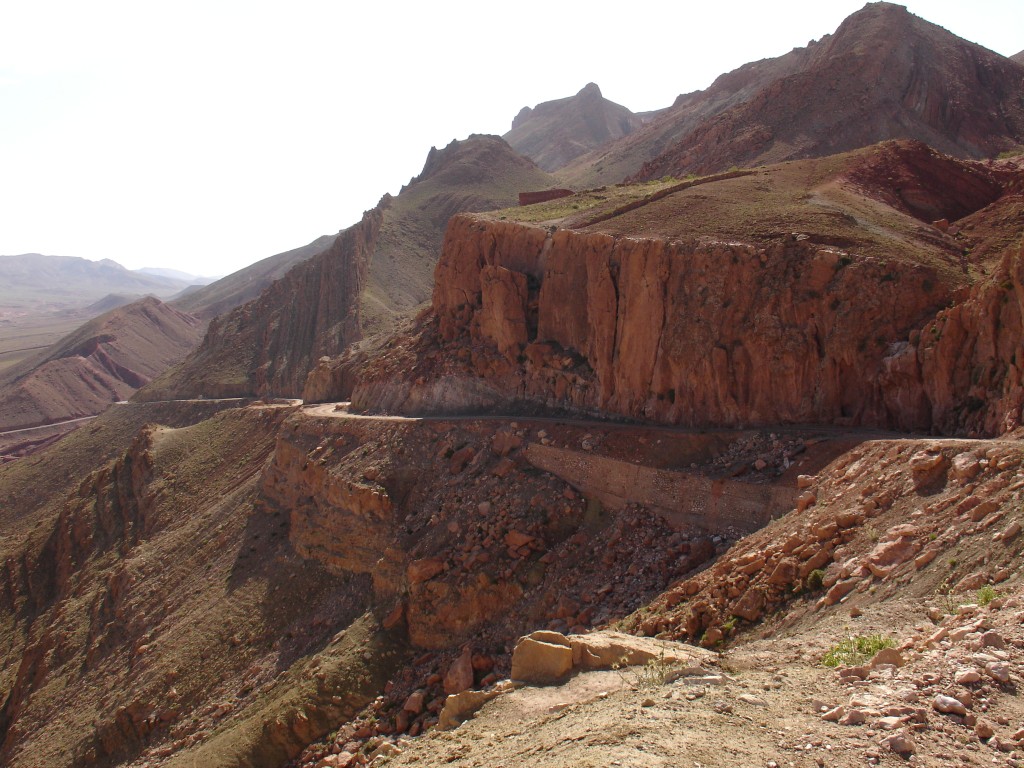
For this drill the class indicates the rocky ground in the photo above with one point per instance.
(908, 544)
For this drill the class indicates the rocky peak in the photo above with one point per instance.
(463, 153)
(556, 132)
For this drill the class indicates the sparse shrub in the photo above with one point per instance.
(728, 627)
(987, 594)
(815, 580)
(856, 650)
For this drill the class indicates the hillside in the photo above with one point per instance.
(1018, 57)
(373, 274)
(883, 74)
(555, 133)
(103, 361)
(246, 284)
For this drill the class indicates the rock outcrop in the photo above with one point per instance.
(269, 344)
(654, 329)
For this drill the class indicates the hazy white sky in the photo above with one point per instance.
(203, 136)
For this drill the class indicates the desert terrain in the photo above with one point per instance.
(711, 458)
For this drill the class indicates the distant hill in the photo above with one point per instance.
(103, 361)
(239, 287)
(178, 275)
(883, 74)
(372, 275)
(554, 133)
(40, 282)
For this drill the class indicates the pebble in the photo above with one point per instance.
(998, 671)
(756, 701)
(967, 676)
(948, 705)
(899, 743)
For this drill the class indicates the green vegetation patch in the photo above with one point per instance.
(856, 650)
(987, 594)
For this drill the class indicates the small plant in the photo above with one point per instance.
(646, 677)
(951, 605)
(815, 580)
(728, 627)
(987, 594)
(856, 650)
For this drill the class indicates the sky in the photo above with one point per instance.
(204, 136)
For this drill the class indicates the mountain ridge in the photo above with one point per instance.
(883, 74)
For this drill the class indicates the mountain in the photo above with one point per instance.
(373, 275)
(38, 282)
(178, 275)
(103, 361)
(246, 284)
(883, 74)
(1018, 57)
(554, 133)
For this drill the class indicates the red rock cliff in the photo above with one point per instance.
(680, 332)
(712, 333)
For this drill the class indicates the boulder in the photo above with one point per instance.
(460, 706)
(541, 662)
(459, 676)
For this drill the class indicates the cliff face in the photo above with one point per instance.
(963, 371)
(682, 333)
(713, 333)
(808, 292)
